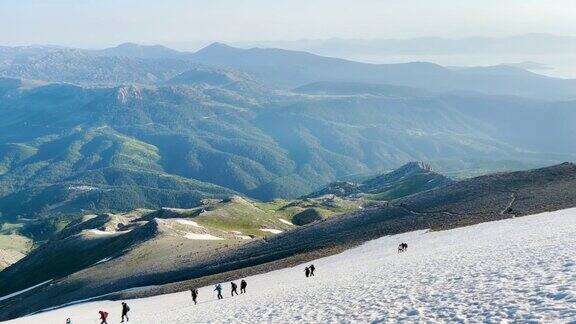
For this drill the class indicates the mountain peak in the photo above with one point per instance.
(410, 178)
(415, 166)
(141, 51)
(127, 45)
(218, 44)
(217, 48)
(130, 45)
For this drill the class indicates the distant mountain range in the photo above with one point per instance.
(276, 68)
(289, 69)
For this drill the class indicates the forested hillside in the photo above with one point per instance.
(67, 148)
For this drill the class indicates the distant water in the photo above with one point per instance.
(555, 65)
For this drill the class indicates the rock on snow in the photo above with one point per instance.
(521, 269)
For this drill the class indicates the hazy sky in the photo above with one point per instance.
(97, 23)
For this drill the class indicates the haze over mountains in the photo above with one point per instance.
(521, 44)
(131, 63)
(547, 54)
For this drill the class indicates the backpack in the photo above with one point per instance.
(127, 308)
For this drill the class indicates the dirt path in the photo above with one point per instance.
(509, 206)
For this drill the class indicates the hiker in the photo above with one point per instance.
(312, 270)
(125, 310)
(219, 290)
(103, 317)
(68, 321)
(243, 285)
(405, 248)
(307, 272)
(194, 292)
(234, 288)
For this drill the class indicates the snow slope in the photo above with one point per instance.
(521, 269)
(24, 290)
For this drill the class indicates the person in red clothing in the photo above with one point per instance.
(103, 317)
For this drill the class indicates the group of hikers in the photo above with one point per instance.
(308, 271)
(104, 315)
(403, 247)
(218, 288)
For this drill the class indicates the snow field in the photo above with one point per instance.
(515, 270)
(189, 222)
(196, 236)
(271, 230)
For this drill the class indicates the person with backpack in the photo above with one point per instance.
(234, 288)
(194, 292)
(307, 272)
(219, 290)
(103, 317)
(125, 310)
(312, 270)
(243, 285)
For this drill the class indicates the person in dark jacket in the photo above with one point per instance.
(234, 287)
(243, 285)
(125, 310)
(194, 292)
(312, 270)
(219, 290)
(307, 272)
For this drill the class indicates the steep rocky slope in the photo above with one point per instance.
(410, 178)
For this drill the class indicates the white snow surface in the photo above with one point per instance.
(100, 232)
(285, 222)
(203, 236)
(271, 230)
(516, 270)
(103, 260)
(24, 290)
(189, 222)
